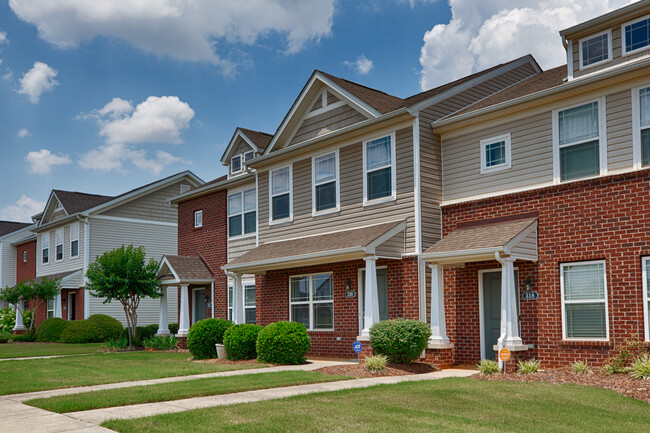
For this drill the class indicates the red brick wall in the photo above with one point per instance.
(79, 303)
(601, 219)
(26, 270)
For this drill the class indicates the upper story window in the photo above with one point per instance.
(379, 169)
(495, 153)
(325, 182)
(249, 155)
(58, 238)
(198, 219)
(280, 188)
(311, 300)
(45, 245)
(242, 212)
(584, 301)
(74, 240)
(641, 126)
(235, 164)
(25, 256)
(578, 145)
(636, 35)
(596, 49)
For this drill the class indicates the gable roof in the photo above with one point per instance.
(258, 141)
(74, 202)
(259, 138)
(7, 227)
(377, 99)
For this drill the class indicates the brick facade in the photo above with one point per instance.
(26, 270)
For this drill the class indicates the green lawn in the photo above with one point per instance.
(42, 374)
(448, 405)
(178, 390)
(19, 350)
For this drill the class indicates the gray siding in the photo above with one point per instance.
(327, 122)
(153, 206)
(237, 247)
(148, 311)
(8, 258)
(619, 131)
(68, 263)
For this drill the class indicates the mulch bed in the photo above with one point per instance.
(623, 383)
(359, 370)
(227, 362)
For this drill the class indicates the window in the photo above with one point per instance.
(281, 194)
(198, 218)
(636, 35)
(645, 263)
(50, 307)
(578, 142)
(249, 155)
(249, 303)
(25, 256)
(312, 301)
(58, 243)
(584, 301)
(596, 49)
(495, 153)
(74, 240)
(45, 241)
(325, 183)
(379, 168)
(242, 214)
(641, 126)
(235, 164)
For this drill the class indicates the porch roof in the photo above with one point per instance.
(184, 270)
(68, 278)
(317, 249)
(481, 241)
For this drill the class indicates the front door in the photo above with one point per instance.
(382, 292)
(72, 306)
(198, 306)
(492, 311)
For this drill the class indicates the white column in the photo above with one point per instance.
(438, 324)
(237, 300)
(371, 298)
(20, 326)
(509, 321)
(184, 322)
(163, 318)
(57, 306)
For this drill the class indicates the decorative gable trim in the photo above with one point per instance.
(227, 154)
(46, 214)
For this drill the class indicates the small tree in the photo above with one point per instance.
(14, 296)
(123, 274)
(26, 291)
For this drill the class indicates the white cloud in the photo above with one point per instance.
(111, 157)
(186, 30)
(23, 133)
(37, 80)
(484, 34)
(3, 37)
(23, 210)
(361, 66)
(41, 162)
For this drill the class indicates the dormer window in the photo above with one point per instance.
(248, 156)
(235, 164)
(636, 35)
(595, 50)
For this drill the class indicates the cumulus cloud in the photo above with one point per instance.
(484, 34)
(22, 210)
(3, 37)
(185, 30)
(111, 157)
(37, 80)
(23, 133)
(361, 66)
(41, 162)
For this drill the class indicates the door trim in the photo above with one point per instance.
(480, 303)
(360, 294)
(70, 295)
(194, 303)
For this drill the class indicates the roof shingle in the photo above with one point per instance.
(189, 267)
(7, 227)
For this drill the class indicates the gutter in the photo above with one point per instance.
(435, 256)
(214, 187)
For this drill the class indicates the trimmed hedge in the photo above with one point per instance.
(204, 334)
(141, 333)
(50, 330)
(283, 343)
(173, 328)
(241, 341)
(111, 328)
(400, 340)
(81, 331)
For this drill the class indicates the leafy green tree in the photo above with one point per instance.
(123, 274)
(30, 291)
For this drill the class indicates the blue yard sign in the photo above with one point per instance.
(357, 346)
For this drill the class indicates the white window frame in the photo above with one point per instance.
(584, 301)
(311, 301)
(198, 218)
(336, 208)
(241, 164)
(49, 311)
(241, 192)
(57, 243)
(623, 36)
(503, 166)
(244, 159)
(609, 49)
(393, 167)
(24, 256)
(646, 299)
(636, 127)
(73, 239)
(244, 284)
(45, 246)
(290, 218)
(602, 141)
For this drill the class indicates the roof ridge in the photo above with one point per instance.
(358, 84)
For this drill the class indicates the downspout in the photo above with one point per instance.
(86, 263)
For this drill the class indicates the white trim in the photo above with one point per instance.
(624, 51)
(637, 149)
(508, 150)
(590, 37)
(311, 302)
(257, 206)
(324, 109)
(337, 181)
(417, 184)
(194, 302)
(44, 236)
(241, 165)
(481, 302)
(245, 282)
(74, 224)
(360, 294)
(569, 59)
(241, 192)
(60, 230)
(198, 222)
(645, 261)
(70, 295)
(591, 301)
(231, 144)
(393, 169)
(290, 217)
(133, 220)
(86, 299)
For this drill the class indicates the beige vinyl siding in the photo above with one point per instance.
(352, 214)
(393, 247)
(619, 131)
(153, 206)
(67, 264)
(241, 147)
(8, 257)
(527, 247)
(58, 215)
(430, 182)
(327, 122)
(532, 159)
(148, 311)
(237, 247)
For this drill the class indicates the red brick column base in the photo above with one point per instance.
(182, 342)
(440, 358)
(19, 332)
(366, 351)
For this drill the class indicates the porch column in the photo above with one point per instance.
(20, 326)
(371, 297)
(237, 300)
(509, 323)
(184, 321)
(163, 318)
(438, 324)
(57, 306)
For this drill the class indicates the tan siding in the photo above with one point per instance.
(393, 247)
(327, 122)
(242, 147)
(237, 247)
(317, 104)
(153, 206)
(60, 214)
(67, 264)
(527, 247)
(619, 131)
(331, 98)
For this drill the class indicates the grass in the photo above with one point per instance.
(179, 390)
(448, 405)
(20, 350)
(42, 374)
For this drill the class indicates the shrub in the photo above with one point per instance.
(241, 341)
(81, 331)
(7, 319)
(528, 367)
(111, 328)
(5, 337)
(641, 367)
(628, 350)
(27, 337)
(141, 333)
(50, 330)
(116, 344)
(204, 334)
(173, 328)
(488, 367)
(283, 343)
(160, 342)
(376, 363)
(400, 340)
(580, 367)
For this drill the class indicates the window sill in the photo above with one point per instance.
(280, 222)
(593, 65)
(379, 201)
(325, 212)
(246, 236)
(637, 50)
(495, 168)
(578, 343)
(320, 330)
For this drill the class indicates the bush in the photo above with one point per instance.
(5, 337)
(141, 333)
(241, 341)
(27, 337)
(628, 350)
(50, 330)
(375, 363)
(116, 344)
(641, 367)
(528, 367)
(580, 367)
(81, 331)
(160, 342)
(400, 340)
(283, 343)
(173, 328)
(7, 319)
(204, 334)
(488, 367)
(111, 328)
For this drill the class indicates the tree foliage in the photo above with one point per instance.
(31, 291)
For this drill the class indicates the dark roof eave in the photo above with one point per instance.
(207, 189)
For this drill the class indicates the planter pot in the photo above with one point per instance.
(221, 351)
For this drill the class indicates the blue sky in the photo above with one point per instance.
(104, 100)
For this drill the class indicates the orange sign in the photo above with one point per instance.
(504, 355)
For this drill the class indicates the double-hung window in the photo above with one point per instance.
(249, 303)
(311, 299)
(235, 164)
(495, 153)
(584, 301)
(74, 240)
(242, 213)
(248, 156)
(645, 263)
(50, 307)
(636, 35)
(198, 218)
(641, 126)
(58, 238)
(579, 146)
(325, 183)
(379, 169)
(45, 243)
(280, 188)
(595, 49)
